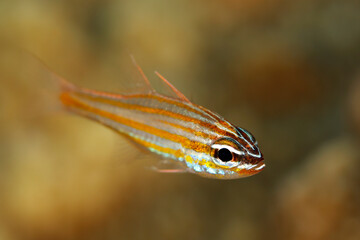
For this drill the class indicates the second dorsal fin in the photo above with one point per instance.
(177, 93)
(150, 90)
(147, 85)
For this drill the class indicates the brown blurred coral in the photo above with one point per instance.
(278, 81)
(320, 200)
(354, 104)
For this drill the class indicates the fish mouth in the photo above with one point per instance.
(256, 164)
(253, 167)
(260, 166)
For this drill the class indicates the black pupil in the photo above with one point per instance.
(225, 155)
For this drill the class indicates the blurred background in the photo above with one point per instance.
(288, 71)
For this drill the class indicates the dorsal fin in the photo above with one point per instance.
(149, 89)
(148, 86)
(173, 89)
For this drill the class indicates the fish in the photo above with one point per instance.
(190, 137)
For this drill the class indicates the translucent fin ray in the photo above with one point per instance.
(148, 87)
(173, 89)
(175, 93)
(168, 166)
(170, 170)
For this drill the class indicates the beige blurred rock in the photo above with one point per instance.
(321, 199)
(62, 179)
(278, 80)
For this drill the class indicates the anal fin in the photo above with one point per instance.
(169, 166)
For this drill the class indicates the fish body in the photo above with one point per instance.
(198, 140)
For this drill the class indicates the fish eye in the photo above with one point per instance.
(226, 153)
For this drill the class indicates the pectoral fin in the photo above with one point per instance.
(170, 170)
(169, 166)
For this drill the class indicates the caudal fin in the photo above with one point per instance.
(64, 85)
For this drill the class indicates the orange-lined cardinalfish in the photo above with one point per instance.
(198, 140)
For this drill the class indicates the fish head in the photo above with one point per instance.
(237, 156)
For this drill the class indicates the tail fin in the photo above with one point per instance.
(29, 88)
(66, 93)
(63, 85)
(53, 86)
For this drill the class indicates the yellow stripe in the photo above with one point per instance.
(176, 153)
(182, 105)
(190, 130)
(161, 98)
(158, 111)
(68, 100)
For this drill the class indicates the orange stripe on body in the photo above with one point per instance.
(69, 101)
(162, 111)
(176, 153)
(113, 96)
(190, 130)
(228, 125)
(188, 108)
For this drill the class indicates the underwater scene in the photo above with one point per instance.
(155, 119)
